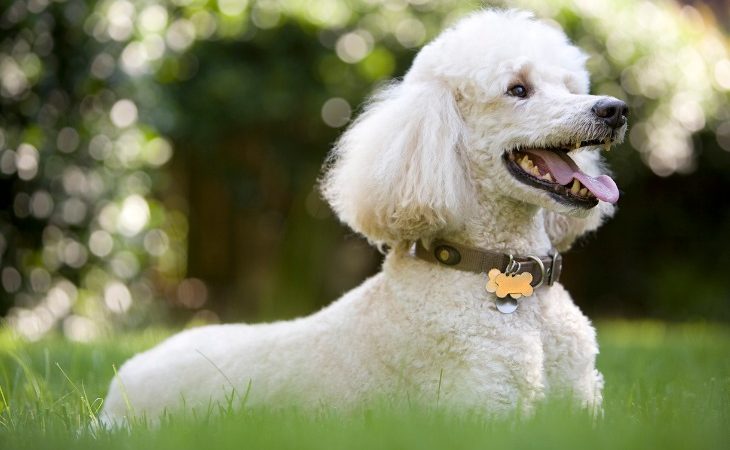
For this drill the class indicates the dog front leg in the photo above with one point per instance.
(570, 348)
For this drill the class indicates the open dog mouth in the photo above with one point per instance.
(553, 170)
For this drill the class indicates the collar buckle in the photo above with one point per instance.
(556, 266)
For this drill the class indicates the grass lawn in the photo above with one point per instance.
(667, 386)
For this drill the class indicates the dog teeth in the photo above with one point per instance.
(526, 164)
(576, 146)
(547, 177)
(535, 171)
(607, 144)
(576, 187)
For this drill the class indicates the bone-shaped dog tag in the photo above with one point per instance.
(508, 288)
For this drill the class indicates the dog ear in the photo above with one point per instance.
(563, 229)
(396, 174)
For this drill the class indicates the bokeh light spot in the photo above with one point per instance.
(80, 329)
(124, 265)
(21, 205)
(11, 279)
(41, 204)
(265, 14)
(353, 47)
(192, 293)
(40, 280)
(73, 253)
(74, 180)
(688, 112)
(7, 162)
(117, 297)
(153, 18)
(103, 66)
(26, 161)
(336, 112)
(723, 135)
(232, 7)
(133, 216)
(156, 242)
(120, 15)
(73, 211)
(13, 81)
(722, 74)
(67, 140)
(157, 152)
(60, 298)
(108, 217)
(123, 113)
(134, 59)
(205, 24)
(101, 243)
(100, 147)
(180, 35)
(410, 33)
(154, 47)
(329, 13)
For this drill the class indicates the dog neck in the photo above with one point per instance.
(504, 225)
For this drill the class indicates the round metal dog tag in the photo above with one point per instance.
(506, 305)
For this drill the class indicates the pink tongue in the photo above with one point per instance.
(564, 170)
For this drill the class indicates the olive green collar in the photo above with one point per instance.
(544, 269)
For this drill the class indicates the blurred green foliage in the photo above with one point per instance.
(103, 225)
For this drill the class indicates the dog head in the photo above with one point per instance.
(496, 106)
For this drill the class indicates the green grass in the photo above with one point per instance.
(667, 386)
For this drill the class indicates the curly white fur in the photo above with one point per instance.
(422, 161)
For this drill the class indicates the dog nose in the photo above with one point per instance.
(612, 110)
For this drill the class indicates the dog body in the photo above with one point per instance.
(433, 156)
(394, 338)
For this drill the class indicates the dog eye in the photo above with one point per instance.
(518, 90)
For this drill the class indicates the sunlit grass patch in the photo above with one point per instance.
(667, 386)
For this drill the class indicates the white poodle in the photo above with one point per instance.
(471, 158)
